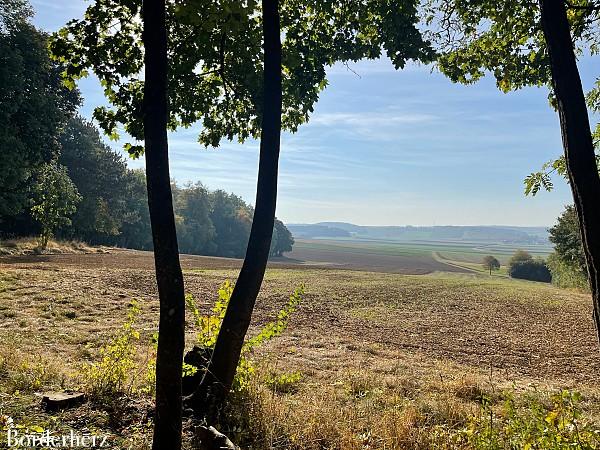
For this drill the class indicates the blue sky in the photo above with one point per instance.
(386, 147)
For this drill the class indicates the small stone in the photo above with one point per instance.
(61, 400)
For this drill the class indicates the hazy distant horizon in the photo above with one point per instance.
(419, 226)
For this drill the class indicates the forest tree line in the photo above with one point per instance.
(48, 148)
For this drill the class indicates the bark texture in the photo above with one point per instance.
(167, 425)
(576, 136)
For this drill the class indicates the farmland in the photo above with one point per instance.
(378, 359)
(412, 257)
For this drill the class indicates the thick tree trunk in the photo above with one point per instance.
(167, 426)
(220, 374)
(576, 136)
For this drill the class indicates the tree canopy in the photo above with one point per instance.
(35, 104)
(215, 69)
(490, 263)
(520, 256)
(101, 177)
(113, 205)
(479, 37)
(566, 237)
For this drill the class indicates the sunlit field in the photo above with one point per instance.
(406, 257)
(373, 359)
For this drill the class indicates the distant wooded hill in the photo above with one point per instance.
(507, 234)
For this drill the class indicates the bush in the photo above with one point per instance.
(532, 425)
(114, 374)
(533, 270)
(566, 275)
(284, 383)
(208, 327)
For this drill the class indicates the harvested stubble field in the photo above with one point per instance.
(384, 358)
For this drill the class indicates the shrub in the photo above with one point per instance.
(566, 275)
(30, 376)
(209, 325)
(113, 374)
(533, 425)
(533, 270)
(23, 372)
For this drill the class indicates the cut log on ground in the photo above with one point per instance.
(61, 400)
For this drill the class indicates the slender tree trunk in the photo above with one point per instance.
(220, 374)
(576, 136)
(169, 358)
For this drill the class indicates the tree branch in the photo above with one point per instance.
(591, 7)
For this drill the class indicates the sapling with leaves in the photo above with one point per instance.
(111, 377)
(54, 200)
(208, 328)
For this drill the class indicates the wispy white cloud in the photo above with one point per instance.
(370, 119)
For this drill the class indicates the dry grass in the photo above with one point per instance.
(371, 410)
(30, 246)
(355, 411)
(386, 361)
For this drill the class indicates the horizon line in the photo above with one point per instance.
(417, 226)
